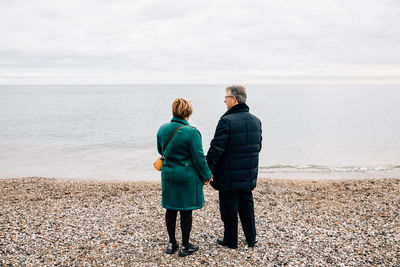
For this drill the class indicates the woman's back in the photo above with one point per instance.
(185, 167)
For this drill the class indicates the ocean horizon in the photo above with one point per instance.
(108, 132)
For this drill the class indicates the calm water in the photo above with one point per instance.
(109, 132)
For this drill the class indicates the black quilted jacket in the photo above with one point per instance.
(233, 153)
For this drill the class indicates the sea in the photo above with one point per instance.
(108, 132)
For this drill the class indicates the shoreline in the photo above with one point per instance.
(49, 221)
(278, 176)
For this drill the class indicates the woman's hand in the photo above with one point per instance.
(207, 182)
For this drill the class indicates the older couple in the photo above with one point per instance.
(231, 167)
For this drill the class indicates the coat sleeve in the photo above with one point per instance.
(218, 144)
(159, 149)
(199, 160)
(261, 136)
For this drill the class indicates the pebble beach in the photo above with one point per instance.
(61, 222)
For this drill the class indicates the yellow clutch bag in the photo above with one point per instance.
(159, 162)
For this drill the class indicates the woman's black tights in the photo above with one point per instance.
(186, 225)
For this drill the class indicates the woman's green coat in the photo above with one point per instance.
(185, 166)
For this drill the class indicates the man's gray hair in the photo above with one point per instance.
(237, 91)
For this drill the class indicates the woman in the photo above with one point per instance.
(183, 174)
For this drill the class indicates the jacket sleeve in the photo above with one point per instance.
(199, 160)
(218, 144)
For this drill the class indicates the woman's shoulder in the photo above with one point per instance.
(164, 128)
(191, 130)
(172, 126)
(165, 125)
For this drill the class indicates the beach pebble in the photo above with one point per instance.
(51, 222)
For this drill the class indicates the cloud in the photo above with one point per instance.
(48, 41)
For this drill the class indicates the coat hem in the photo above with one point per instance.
(188, 208)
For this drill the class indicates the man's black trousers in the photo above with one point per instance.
(231, 203)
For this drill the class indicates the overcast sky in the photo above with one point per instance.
(133, 41)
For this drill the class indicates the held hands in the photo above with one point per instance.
(207, 182)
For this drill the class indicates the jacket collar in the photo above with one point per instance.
(242, 107)
(179, 120)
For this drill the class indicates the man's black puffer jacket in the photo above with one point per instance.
(233, 153)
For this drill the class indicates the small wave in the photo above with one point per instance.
(323, 168)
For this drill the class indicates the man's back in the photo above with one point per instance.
(233, 154)
(233, 160)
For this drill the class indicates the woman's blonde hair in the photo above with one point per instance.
(182, 108)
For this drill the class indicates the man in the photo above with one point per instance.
(233, 160)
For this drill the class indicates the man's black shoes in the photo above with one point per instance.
(190, 249)
(222, 242)
(171, 248)
(252, 244)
